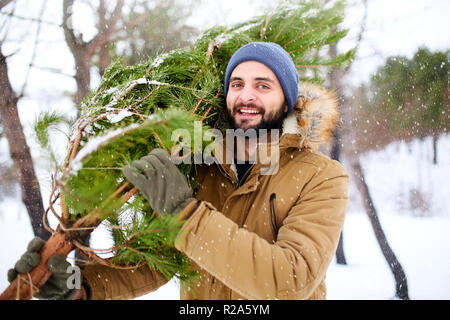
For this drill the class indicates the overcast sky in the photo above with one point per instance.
(399, 27)
(394, 27)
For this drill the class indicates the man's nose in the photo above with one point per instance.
(247, 94)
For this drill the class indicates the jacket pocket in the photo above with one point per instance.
(273, 214)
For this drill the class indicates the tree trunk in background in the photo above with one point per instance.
(435, 144)
(334, 78)
(20, 152)
(394, 264)
(3, 3)
(348, 138)
(79, 49)
(104, 60)
(340, 254)
(335, 155)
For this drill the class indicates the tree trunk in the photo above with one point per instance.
(3, 3)
(340, 254)
(20, 152)
(394, 264)
(104, 60)
(82, 74)
(335, 77)
(79, 50)
(336, 154)
(435, 145)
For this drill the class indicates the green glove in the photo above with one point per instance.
(56, 286)
(161, 183)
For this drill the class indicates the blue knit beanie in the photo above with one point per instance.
(274, 57)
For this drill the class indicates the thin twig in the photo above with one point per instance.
(320, 44)
(315, 65)
(361, 32)
(90, 252)
(197, 105)
(301, 36)
(159, 140)
(44, 217)
(284, 27)
(33, 55)
(88, 220)
(263, 30)
(206, 114)
(52, 70)
(12, 15)
(61, 222)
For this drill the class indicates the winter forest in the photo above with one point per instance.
(74, 74)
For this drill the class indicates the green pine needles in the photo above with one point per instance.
(138, 108)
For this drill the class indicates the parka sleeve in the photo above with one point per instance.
(107, 283)
(293, 266)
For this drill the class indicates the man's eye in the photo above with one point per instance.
(263, 86)
(236, 85)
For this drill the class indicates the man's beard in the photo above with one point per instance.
(273, 120)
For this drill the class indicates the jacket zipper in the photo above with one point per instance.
(246, 174)
(235, 184)
(273, 214)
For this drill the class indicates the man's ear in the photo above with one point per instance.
(286, 107)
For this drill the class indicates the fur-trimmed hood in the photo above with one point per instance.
(313, 117)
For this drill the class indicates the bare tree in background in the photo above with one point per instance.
(143, 30)
(344, 137)
(18, 148)
(83, 51)
(162, 25)
(20, 152)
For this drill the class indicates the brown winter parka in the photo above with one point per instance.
(272, 237)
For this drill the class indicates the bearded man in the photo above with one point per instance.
(251, 233)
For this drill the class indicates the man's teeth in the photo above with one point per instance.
(248, 111)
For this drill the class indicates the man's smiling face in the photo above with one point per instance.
(255, 98)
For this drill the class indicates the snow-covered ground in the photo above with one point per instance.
(422, 245)
(397, 176)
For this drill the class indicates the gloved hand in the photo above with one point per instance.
(161, 183)
(56, 286)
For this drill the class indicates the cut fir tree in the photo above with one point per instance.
(139, 108)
